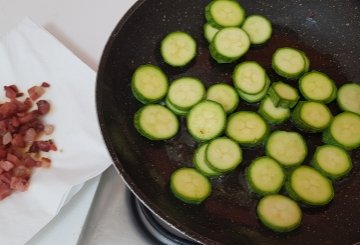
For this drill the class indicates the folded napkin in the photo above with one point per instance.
(29, 55)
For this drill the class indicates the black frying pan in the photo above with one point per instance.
(328, 31)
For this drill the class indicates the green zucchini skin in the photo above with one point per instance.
(139, 95)
(265, 163)
(286, 74)
(329, 138)
(327, 98)
(179, 192)
(201, 106)
(294, 193)
(254, 98)
(317, 164)
(348, 97)
(174, 109)
(278, 100)
(272, 114)
(278, 137)
(199, 160)
(231, 146)
(234, 134)
(272, 223)
(301, 123)
(212, 20)
(138, 117)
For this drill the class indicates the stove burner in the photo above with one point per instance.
(156, 228)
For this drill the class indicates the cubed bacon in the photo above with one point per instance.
(11, 91)
(42, 145)
(19, 184)
(45, 85)
(36, 92)
(45, 162)
(22, 171)
(8, 109)
(20, 143)
(13, 158)
(5, 177)
(5, 190)
(6, 165)
(43, 107)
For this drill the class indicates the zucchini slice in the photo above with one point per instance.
(225, 95)
(311, 116)
(206, 120)
(223, 154)
(249, 77)
(258, 28)
(288, 62)
(307, 61)
(185, 92)
(265, 176)
(149, 84)
(344, 131)
(189, 185)
(156, 122)
(288, 148)
(229, 44)
(271, 113)
(348, 97)
(209, 32)
(178, 48)
(309, 186)
(247, 128)
(317, 86)
(253, 98)
(279, 213)
(200, 163)
(175, 109)
(224, 13)
(283, 95)
(332, 161)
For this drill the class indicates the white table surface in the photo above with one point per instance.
(83, 26)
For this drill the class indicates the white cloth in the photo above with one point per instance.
(29, 55)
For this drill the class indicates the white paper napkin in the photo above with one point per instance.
(29, 55)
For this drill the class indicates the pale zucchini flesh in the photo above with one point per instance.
(185, 92)
(288, 62)
(332, 161)
(210, 32)
(309, 186)
(283, 95)
(311, 116)
(174, 109)
(201, 164)
(348, 97)
(265, 176)
(178, 48)
(247, 128)
(229, 44)
(288, 148)
(190, 186)
(225, 95)
(249, 77)
(258, 28)
(223, 154)
(206, 120)
(253, 98)
(149, 83)
(344, 131)
(156, 122)
(271, 113)
(279, 213)
(317, 86)
(223, 13)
